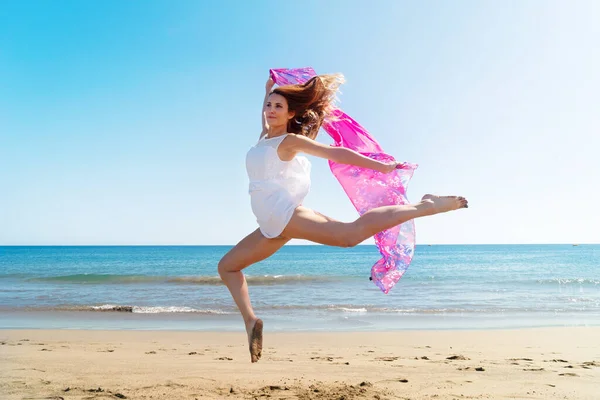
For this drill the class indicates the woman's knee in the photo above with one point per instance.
(350, 239)
(352, 236)
(351, 242)
(222, 267)
(225, 265)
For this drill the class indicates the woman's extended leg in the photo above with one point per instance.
(252, 249)
(310, 225)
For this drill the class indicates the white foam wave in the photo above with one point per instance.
(347, 309)
(158, 310)
(155, 310)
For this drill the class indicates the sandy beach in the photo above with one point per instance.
(549, 363)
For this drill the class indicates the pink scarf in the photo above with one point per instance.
(366, 188)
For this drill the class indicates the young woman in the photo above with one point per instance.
(280, 179)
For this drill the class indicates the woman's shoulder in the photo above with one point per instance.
(295, 137)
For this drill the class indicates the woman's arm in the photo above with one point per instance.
(300, 144)
(268, 86)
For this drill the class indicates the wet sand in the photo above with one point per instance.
(549, 363)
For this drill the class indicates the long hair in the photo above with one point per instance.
(311, 101)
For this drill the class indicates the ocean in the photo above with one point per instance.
(300, 288)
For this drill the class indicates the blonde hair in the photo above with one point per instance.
(311, 102)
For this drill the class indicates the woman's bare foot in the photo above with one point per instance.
(445, 203)
(254, 330)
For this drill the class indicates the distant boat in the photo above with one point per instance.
(575, 245)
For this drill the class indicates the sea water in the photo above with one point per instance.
(300, 288)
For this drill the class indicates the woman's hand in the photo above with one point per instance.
(388, 167)
(269, 85)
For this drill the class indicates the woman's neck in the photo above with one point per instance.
(276, 131)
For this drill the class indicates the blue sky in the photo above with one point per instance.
(128, 122)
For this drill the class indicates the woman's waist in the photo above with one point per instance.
(275, 184)
(264, 203)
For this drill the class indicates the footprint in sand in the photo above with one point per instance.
(568, 374)
(386, 358)
(151, 352)
(280, 359)
(457, 357)
(478, 369)
(224, 359)
(323, 358)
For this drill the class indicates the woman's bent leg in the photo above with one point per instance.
(252, 249)
(310, 225)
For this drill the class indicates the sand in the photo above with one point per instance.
(549, 363)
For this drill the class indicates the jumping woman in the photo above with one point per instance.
(280, 180)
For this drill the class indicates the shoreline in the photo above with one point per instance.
(325, 333)
(288, 323)
(534, 363)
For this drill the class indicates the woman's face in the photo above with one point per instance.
(276, 111)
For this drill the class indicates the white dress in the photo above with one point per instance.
(276, 187)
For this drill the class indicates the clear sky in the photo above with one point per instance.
(127, 122)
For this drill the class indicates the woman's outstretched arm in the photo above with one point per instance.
(265, 126)
(294, 144)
